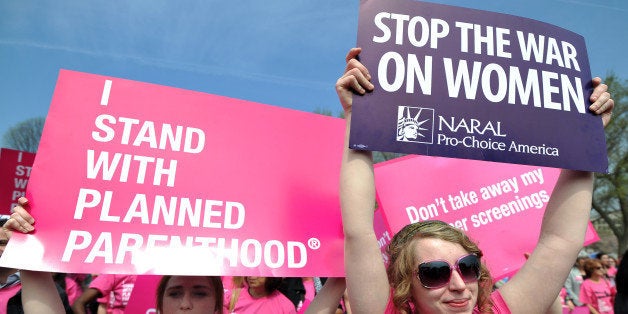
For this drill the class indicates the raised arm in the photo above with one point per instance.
(539, 281)
(39, 292)
(366, 278)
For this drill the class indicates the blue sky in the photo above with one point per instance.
(285, 53)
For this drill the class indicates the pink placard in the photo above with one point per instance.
(144, 296)
(15, 169)
(382, 232)
(498, 205)
(138, 178)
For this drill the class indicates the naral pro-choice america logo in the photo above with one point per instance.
(415, 124)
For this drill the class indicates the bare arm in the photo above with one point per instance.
(592, 310)
(539, 281)
(327, 300)
(39, 292)
(556, 308)
(86, 297)
(363, 261)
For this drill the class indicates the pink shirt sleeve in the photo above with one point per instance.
(72, 289)
(585, 292)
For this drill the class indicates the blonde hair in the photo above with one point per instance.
(402, 262)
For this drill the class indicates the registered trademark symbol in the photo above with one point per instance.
(314, 243)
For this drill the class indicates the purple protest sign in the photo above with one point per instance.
(464, 83)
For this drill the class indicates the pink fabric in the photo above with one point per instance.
(310, 293)
(275, 303)
(6, 294)
(612, 271)
(576, 310)
(562, 294)
(143, 298)
(304, 306)
(579, 279)
(310, 290)
(72, 289)
(116, 290)
(598, 294)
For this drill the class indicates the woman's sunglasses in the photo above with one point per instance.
(436, 274)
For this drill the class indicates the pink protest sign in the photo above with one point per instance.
(15, 169)
(498, 205)
(143, 297)
(139, 178)
(382, 232)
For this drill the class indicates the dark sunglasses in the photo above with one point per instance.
(436, 274)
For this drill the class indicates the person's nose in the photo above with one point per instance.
(456, 282)
(186, 302)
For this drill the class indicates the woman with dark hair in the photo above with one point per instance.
(190, 294)
(610, 267)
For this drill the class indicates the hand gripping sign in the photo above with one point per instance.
(464, 83)
(139, 178)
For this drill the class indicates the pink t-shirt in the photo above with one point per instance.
(275, 303)
(116, 290)
(7, 293)
(73, 289)
(611, 271)
(310, 293)
(598, 294)
(310, 290)
(303, 306)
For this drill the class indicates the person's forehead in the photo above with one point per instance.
(188, 281)
(428, 249)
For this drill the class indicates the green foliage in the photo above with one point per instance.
(610, 197)
(328, 112)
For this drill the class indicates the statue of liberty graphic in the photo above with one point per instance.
(409, 128)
